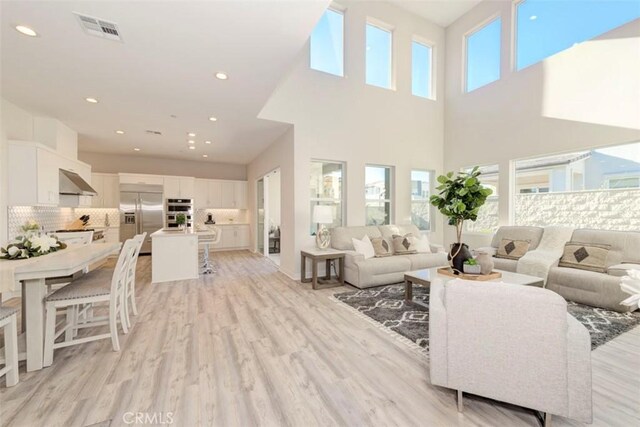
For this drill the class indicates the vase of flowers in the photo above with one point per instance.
(31, 244)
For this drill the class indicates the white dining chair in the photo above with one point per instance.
(130, 290)
(205, 239)
(9, 324)
(98, 286)
(70, 238)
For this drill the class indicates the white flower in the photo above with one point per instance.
(41, 243)
(12, 250)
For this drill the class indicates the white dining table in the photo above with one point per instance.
(30, 275)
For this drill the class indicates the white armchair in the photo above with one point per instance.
(511, 343)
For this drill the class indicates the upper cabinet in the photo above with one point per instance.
(34, 175)
(108, 188)
(220, 194)
(179, 187)
(130, 178)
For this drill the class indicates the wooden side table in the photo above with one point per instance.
(317, 255)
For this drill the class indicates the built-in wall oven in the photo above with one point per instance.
(174, 207)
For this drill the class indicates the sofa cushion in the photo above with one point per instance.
(512, 249)
(381, 247)
(341, 236)
(376, 266)
(389, 230)
(505, 264)
(404, 244)
(430, 260)
(363, 246)
(585, 256)
(532, 234)
(625, 245)
(423, 246)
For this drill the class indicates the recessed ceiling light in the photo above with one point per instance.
(205, 155)
(221, 76)
(91, 100)
(207, 142)
(191, 147)
(213, 119)
(191, 134)
(26, 31)
(120, 132)
(191, 141)
(533, 17)
(136, 149)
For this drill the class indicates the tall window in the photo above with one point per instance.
(483, 55)
(545, 28)
(377, 193)
(379, 56)
(327, 44)
(421, 70)
(326, 188)
(488, 214)
(420, 193)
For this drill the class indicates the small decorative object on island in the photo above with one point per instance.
(460, 199)
(32, 244)
(485, 261)
(322, 215)
(181, 220)
(471, 266)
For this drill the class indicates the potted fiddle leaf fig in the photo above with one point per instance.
(459, 199)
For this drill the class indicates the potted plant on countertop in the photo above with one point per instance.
(471, 266)
(181, 220)
(460, 198)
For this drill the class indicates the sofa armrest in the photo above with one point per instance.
(488, 249)
(437, 249)
(352, 257)
(620, 270)
(438, 354)
(579, 371)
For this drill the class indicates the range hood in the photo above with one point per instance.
(72, 184)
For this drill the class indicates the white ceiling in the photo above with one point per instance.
(165, 67)
(441, 12)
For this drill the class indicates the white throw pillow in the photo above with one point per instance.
(423, 246)
(364, 247)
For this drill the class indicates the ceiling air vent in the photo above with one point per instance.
(153, 132)
(99, 27)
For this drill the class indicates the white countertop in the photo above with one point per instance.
(229, 223)
(180, 233)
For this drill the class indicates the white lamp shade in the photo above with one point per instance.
(322, 214)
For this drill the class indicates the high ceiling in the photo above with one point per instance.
(164, 67)
(441, 12)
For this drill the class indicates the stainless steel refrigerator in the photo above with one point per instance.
(140, 210)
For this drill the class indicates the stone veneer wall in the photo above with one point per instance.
(600, 209)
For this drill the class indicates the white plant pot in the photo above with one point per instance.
(471, 269)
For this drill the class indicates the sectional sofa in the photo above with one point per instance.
(366, 273)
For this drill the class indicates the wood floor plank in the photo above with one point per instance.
(249, 346)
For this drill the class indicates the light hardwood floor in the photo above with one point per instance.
(250, 346)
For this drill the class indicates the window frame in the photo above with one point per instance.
(391, 189)
(465, 51)
(381, 25)
(343, 192)
(432, 69)
(432, 174)
(342, 11)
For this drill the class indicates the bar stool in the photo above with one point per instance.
(205, 239)
(9, 323)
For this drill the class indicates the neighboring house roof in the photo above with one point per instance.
(542, 162)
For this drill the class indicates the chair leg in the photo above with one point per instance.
(113, 327)
(547, 419)
(11, 351)
(460, 403)
(49, 334)
(72, 321)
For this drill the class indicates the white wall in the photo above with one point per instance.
(280, 155)
(123, 163)
(343, 119)
(584, 97)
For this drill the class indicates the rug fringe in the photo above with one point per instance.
(398, 337)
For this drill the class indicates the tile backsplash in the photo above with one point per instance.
(53, 218)
(223, 216)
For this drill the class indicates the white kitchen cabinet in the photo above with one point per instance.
(235, 236)
(48, 164)
(129, 178)
(112, 235)
(32, 175)
(177, 187)
(201, 193)
(228, 194)
(240, 195)
(215, 194)
(108, 188)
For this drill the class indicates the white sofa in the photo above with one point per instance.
(511, 343)
(365, 273)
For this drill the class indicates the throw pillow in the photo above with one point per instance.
(585, 256)
(423, 246)
(381, 247)
(403, 245)
(364, 247)
(512, 249)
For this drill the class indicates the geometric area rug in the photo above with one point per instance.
(386, 307)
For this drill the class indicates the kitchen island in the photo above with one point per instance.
(174, 255)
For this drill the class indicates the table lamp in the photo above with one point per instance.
(323, 215)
